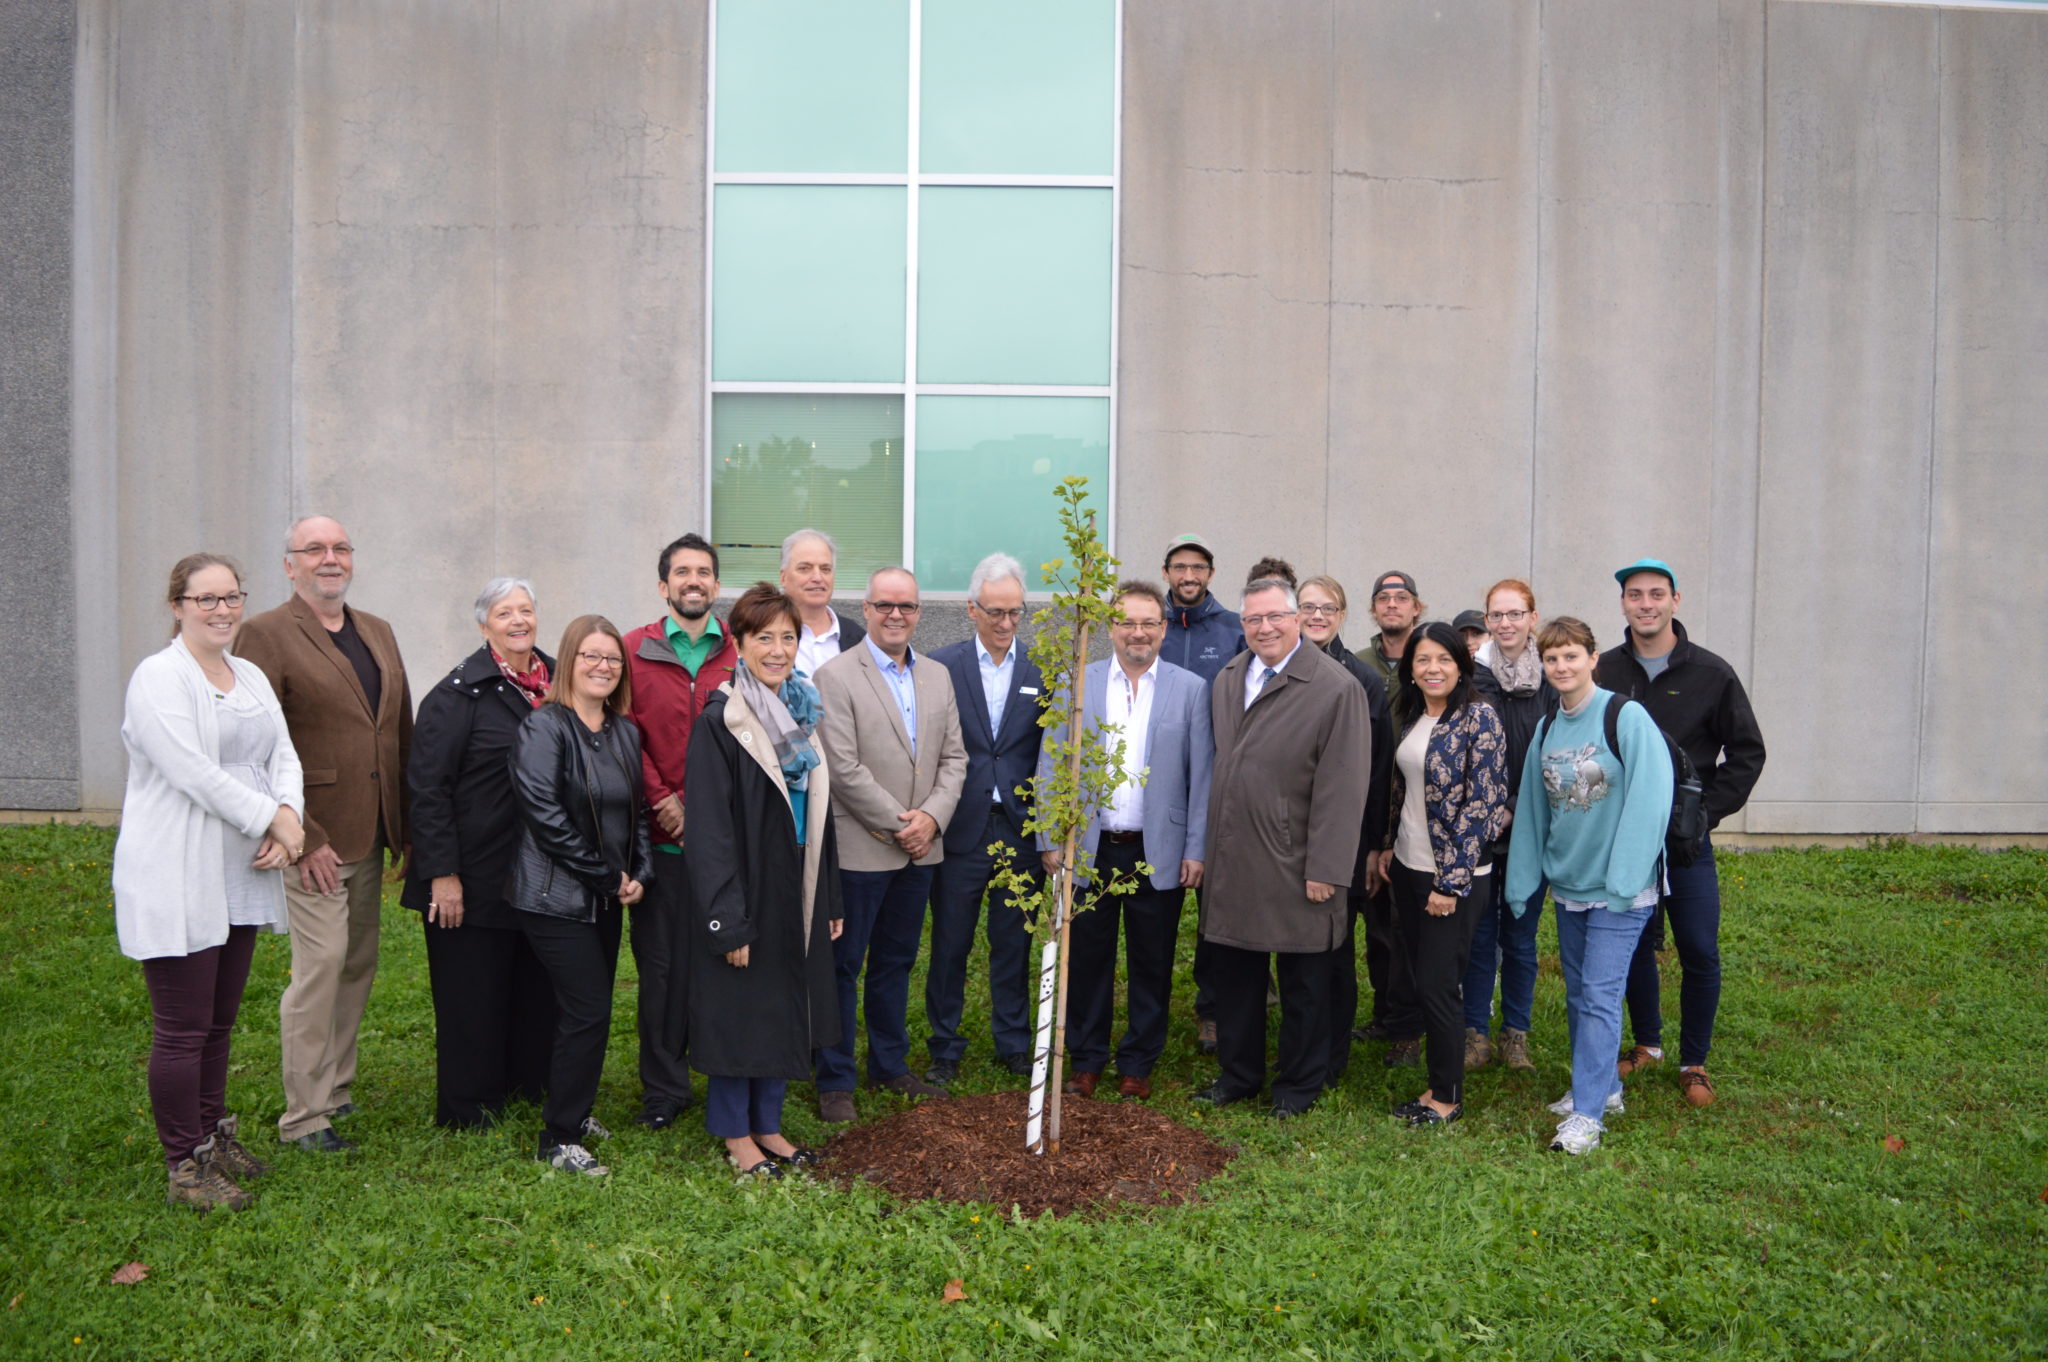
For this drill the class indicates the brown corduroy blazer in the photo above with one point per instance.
(354, 760)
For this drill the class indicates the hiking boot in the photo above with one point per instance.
(1577, 1135)
(1478, 1049)
(1513, 1050)
(573, 1158)
(234, 1160)
(198, 1182)
(1637, 1058)
(1404, 1054)
(1696, 1087)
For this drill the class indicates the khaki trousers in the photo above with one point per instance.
(334, 958)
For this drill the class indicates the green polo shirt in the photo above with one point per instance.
(693, 656)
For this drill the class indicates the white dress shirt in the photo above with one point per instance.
(1130, 708)
(815, 650)
(1255, 675)
(996, 684)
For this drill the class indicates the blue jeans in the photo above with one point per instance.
(884, 911)
(1693, 911)
(735, 1107)
(1501, 936)
(1595, 948)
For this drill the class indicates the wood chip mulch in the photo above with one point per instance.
(971, 1149)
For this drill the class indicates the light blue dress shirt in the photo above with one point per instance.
(901, 685)
(996, 679)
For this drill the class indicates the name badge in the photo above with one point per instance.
(1027, 690)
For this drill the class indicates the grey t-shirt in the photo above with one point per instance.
(1653, 667)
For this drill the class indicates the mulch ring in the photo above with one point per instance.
(971, 1149)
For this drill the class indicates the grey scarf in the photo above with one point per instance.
(1520, 677)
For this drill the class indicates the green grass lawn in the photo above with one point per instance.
(1900, 992)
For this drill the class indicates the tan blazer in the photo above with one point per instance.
(354, 760)
(873, 777)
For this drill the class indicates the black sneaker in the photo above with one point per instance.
(573, 1158)
(942, 1071)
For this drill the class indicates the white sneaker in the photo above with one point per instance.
(1563, 1105)
(1577, 1134)
(574, 1158)
(594, 1131)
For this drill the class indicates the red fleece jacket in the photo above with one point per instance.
(666, 703)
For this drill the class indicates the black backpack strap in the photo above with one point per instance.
(1610, 724)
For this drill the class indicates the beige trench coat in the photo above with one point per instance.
(1286, 800)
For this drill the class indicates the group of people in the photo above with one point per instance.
(768, 805)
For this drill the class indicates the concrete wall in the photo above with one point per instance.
(1499, 288)
(38, 693)
(1754, 287)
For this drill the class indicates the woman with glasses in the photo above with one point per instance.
(583, 855)
(764, 871)
(1509, 675)
(1593, 826)
(210, 816)
(1449, 798)
(494, 1009)
(1324, 609)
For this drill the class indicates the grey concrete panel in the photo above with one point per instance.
(39, 665)
(1852, 175)
(1432, 326)
(1636, 288)
(1224, 324)
(1983, 757)
(182, 410)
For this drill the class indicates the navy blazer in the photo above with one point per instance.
(1003, 760)
(1180, 751)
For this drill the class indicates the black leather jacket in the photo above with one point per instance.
(562, 868)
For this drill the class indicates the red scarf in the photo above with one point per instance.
(534, 682)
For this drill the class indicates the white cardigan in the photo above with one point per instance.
(170, 880)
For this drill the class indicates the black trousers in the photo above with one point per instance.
(494, 1022)
(1150, 919)
(660, 930)
(1393, 1000)
(1434, 952)
(1344, 992)
(582, 960)
(1307, 989)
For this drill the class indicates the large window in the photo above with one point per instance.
(912, 321)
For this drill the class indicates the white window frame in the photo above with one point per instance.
(914, 182)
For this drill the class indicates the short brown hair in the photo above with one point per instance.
(1272, 567)
(1563, 632)
(182, 570)
(1137, 586)
(581, 628)
(759, 606)
(1514, 584)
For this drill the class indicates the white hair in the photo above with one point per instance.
(292, 530)
(497, 589)
(1258, 584)
(807, 532)
(993, 568)
(880, 570)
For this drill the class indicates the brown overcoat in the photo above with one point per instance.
(354, 760)
(1286, 800)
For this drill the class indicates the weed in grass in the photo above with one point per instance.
(1893, 993)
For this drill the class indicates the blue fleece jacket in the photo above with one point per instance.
(1203, 637)
(1599, 828)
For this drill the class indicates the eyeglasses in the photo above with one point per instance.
(1393, 596)
(1011, 615)
(601, 662)
(1506, 616)
(904, 608)
(1321, 610)
(318, 551)
(233, 600)
(1140, 626)
(1261, 621)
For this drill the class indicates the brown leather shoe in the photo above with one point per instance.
(835, 1104)
(1635, 1059)
(1696, 1086)
(1134, 1086)
(1080, 1084)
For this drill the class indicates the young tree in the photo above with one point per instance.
(1082, 770)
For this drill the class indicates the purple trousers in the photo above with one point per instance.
(192, 1002)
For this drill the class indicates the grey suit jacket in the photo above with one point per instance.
(873, 776)
(1178, 751)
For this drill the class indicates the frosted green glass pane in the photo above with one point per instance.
(813, 85)
(807, 283)
(1013, 286)
(986, 469)
(782, 461)
(1020, 89)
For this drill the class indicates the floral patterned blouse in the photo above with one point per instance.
(1465, 793)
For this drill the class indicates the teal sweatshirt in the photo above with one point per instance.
(1598, 830)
